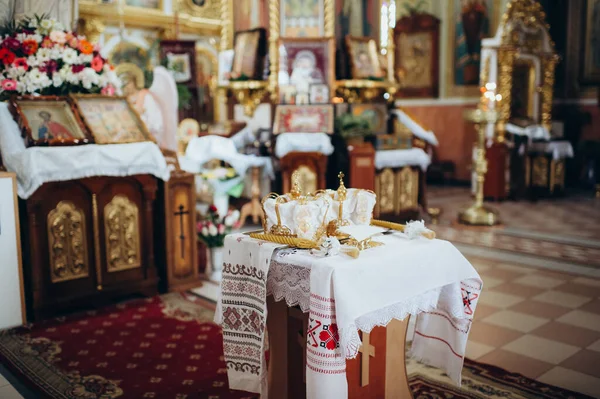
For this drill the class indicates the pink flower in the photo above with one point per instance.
(21, 63)
(97, 64)
(108, 90)
(73, 42)
(11, 43)
(9, 85)
(47, 43)
(58, 36)
(221, 228)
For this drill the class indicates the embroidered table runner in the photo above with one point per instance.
(344, 295)
(242, 311)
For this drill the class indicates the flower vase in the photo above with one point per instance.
(216, 263)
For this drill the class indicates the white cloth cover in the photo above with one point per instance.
(302, 218)
(38, 165)
(558, 149)
(303, 142)
(534, 132)
(164, 93)
(400, 158)
(203, 149)
(358, 206)
(404, 277)
(416, 129)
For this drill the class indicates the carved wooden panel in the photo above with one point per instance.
(314, 167)
(407, 189)
(557, 175)
(182, 210)
(67, 243)
(384, 188)
(122, 234)
(539, 176)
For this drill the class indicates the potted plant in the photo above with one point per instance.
(352, 128)
(212, 231)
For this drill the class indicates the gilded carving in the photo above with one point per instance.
(307, 178)
(67, 242)
(384, 188)
(211, 9)
(122, 234)
(407, 187)
(539, 171)
(557, 174)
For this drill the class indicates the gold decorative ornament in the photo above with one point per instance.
(67, 243)
(121, 227)
(384, 187)
(296, 190)
(478, 214)
(334, 225)
(540, 171)
(97, 241)
(248, 93)
(408, 189)
(364, 90)
(557, 174)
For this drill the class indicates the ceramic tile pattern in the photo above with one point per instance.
(540, 323)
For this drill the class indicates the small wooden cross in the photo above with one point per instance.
(181, 229)
(367, 351)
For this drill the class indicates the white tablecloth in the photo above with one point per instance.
(400, 158)
(415, 128)
(344, 295)
(35, 166)
(534, 132)
(558, 149)
(303, 142)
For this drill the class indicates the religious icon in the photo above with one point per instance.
(249, 51)
(303, 118)
(49, 121)
(111, 120)
(319, 94)
(592, 42)
(305, 62)
(364, 58)
(472, 24)
(180, 66)
(302, 18)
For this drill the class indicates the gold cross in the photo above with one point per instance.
(367, 351)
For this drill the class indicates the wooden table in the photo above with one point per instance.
(381, 374)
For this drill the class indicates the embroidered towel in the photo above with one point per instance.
(242, 311)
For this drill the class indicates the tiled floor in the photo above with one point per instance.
(537, 315)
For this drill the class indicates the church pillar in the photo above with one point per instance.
(64, 11)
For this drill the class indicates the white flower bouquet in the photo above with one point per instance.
(214, 228)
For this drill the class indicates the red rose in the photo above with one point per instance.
(6, 56)
(21, 63)
(212, 208)
(11, 43)
(30, 47)
(77, 68)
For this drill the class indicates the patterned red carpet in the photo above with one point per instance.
(168, 348)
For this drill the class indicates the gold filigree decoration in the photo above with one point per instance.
(524, 13)
(540, 171)
(407, 187)
(121, 229)
(67, 242)
(557, 175)
(307, 178)
(384, 189)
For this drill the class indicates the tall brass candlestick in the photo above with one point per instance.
(478, 214)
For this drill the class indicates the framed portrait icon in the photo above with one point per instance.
(303, 119)
(364, 58)
(304, 62)
(250, 49)
(111, 120)
(48, 120)
(319, 94)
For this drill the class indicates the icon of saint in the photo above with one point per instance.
(50, 129)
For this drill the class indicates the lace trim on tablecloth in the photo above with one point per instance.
(438, 298)
(289, 282)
